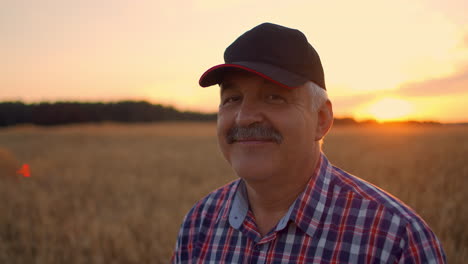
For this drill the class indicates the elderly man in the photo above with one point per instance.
(290, 205)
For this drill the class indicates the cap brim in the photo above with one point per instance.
(286, 79)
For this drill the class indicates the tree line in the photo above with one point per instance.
(58, 113)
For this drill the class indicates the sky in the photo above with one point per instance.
(386, 60)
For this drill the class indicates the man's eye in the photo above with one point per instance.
(231, 99)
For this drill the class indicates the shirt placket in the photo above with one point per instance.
(260, 255)
(261, 249)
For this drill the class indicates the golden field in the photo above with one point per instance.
(113, 193)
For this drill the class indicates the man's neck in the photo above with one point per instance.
(270, 200)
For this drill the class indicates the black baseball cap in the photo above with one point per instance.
(277, 53)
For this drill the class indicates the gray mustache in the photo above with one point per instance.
(259, 132)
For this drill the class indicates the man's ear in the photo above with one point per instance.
(324, 120)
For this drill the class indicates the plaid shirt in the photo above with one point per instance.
(339, 218)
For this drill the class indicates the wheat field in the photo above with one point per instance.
(114, 193)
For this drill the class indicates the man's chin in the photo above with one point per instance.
(253, 170)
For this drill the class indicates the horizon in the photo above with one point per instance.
(340, 118)
(379, 64)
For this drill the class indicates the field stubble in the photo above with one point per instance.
(114, 193)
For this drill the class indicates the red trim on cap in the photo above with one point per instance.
(243, 68)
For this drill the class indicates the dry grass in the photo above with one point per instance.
(8, 164)
(117, 194)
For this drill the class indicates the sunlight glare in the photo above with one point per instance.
(390, 109)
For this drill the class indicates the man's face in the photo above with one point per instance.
(264, 129)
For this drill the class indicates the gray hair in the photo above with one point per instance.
(318, 94)
(319, 97)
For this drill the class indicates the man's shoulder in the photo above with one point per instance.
(376, 197)
(381, 211)
(214, 204)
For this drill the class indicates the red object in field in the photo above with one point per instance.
(24, 170)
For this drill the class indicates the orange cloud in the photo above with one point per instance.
(454, 84)
(351, 101)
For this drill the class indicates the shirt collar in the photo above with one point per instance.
(225, 210)
(305, 212)
(240, 206)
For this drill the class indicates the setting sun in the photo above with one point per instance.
(389, 109)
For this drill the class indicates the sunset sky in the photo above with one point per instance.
(388, 60)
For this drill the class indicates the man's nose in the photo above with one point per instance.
(249, 112)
